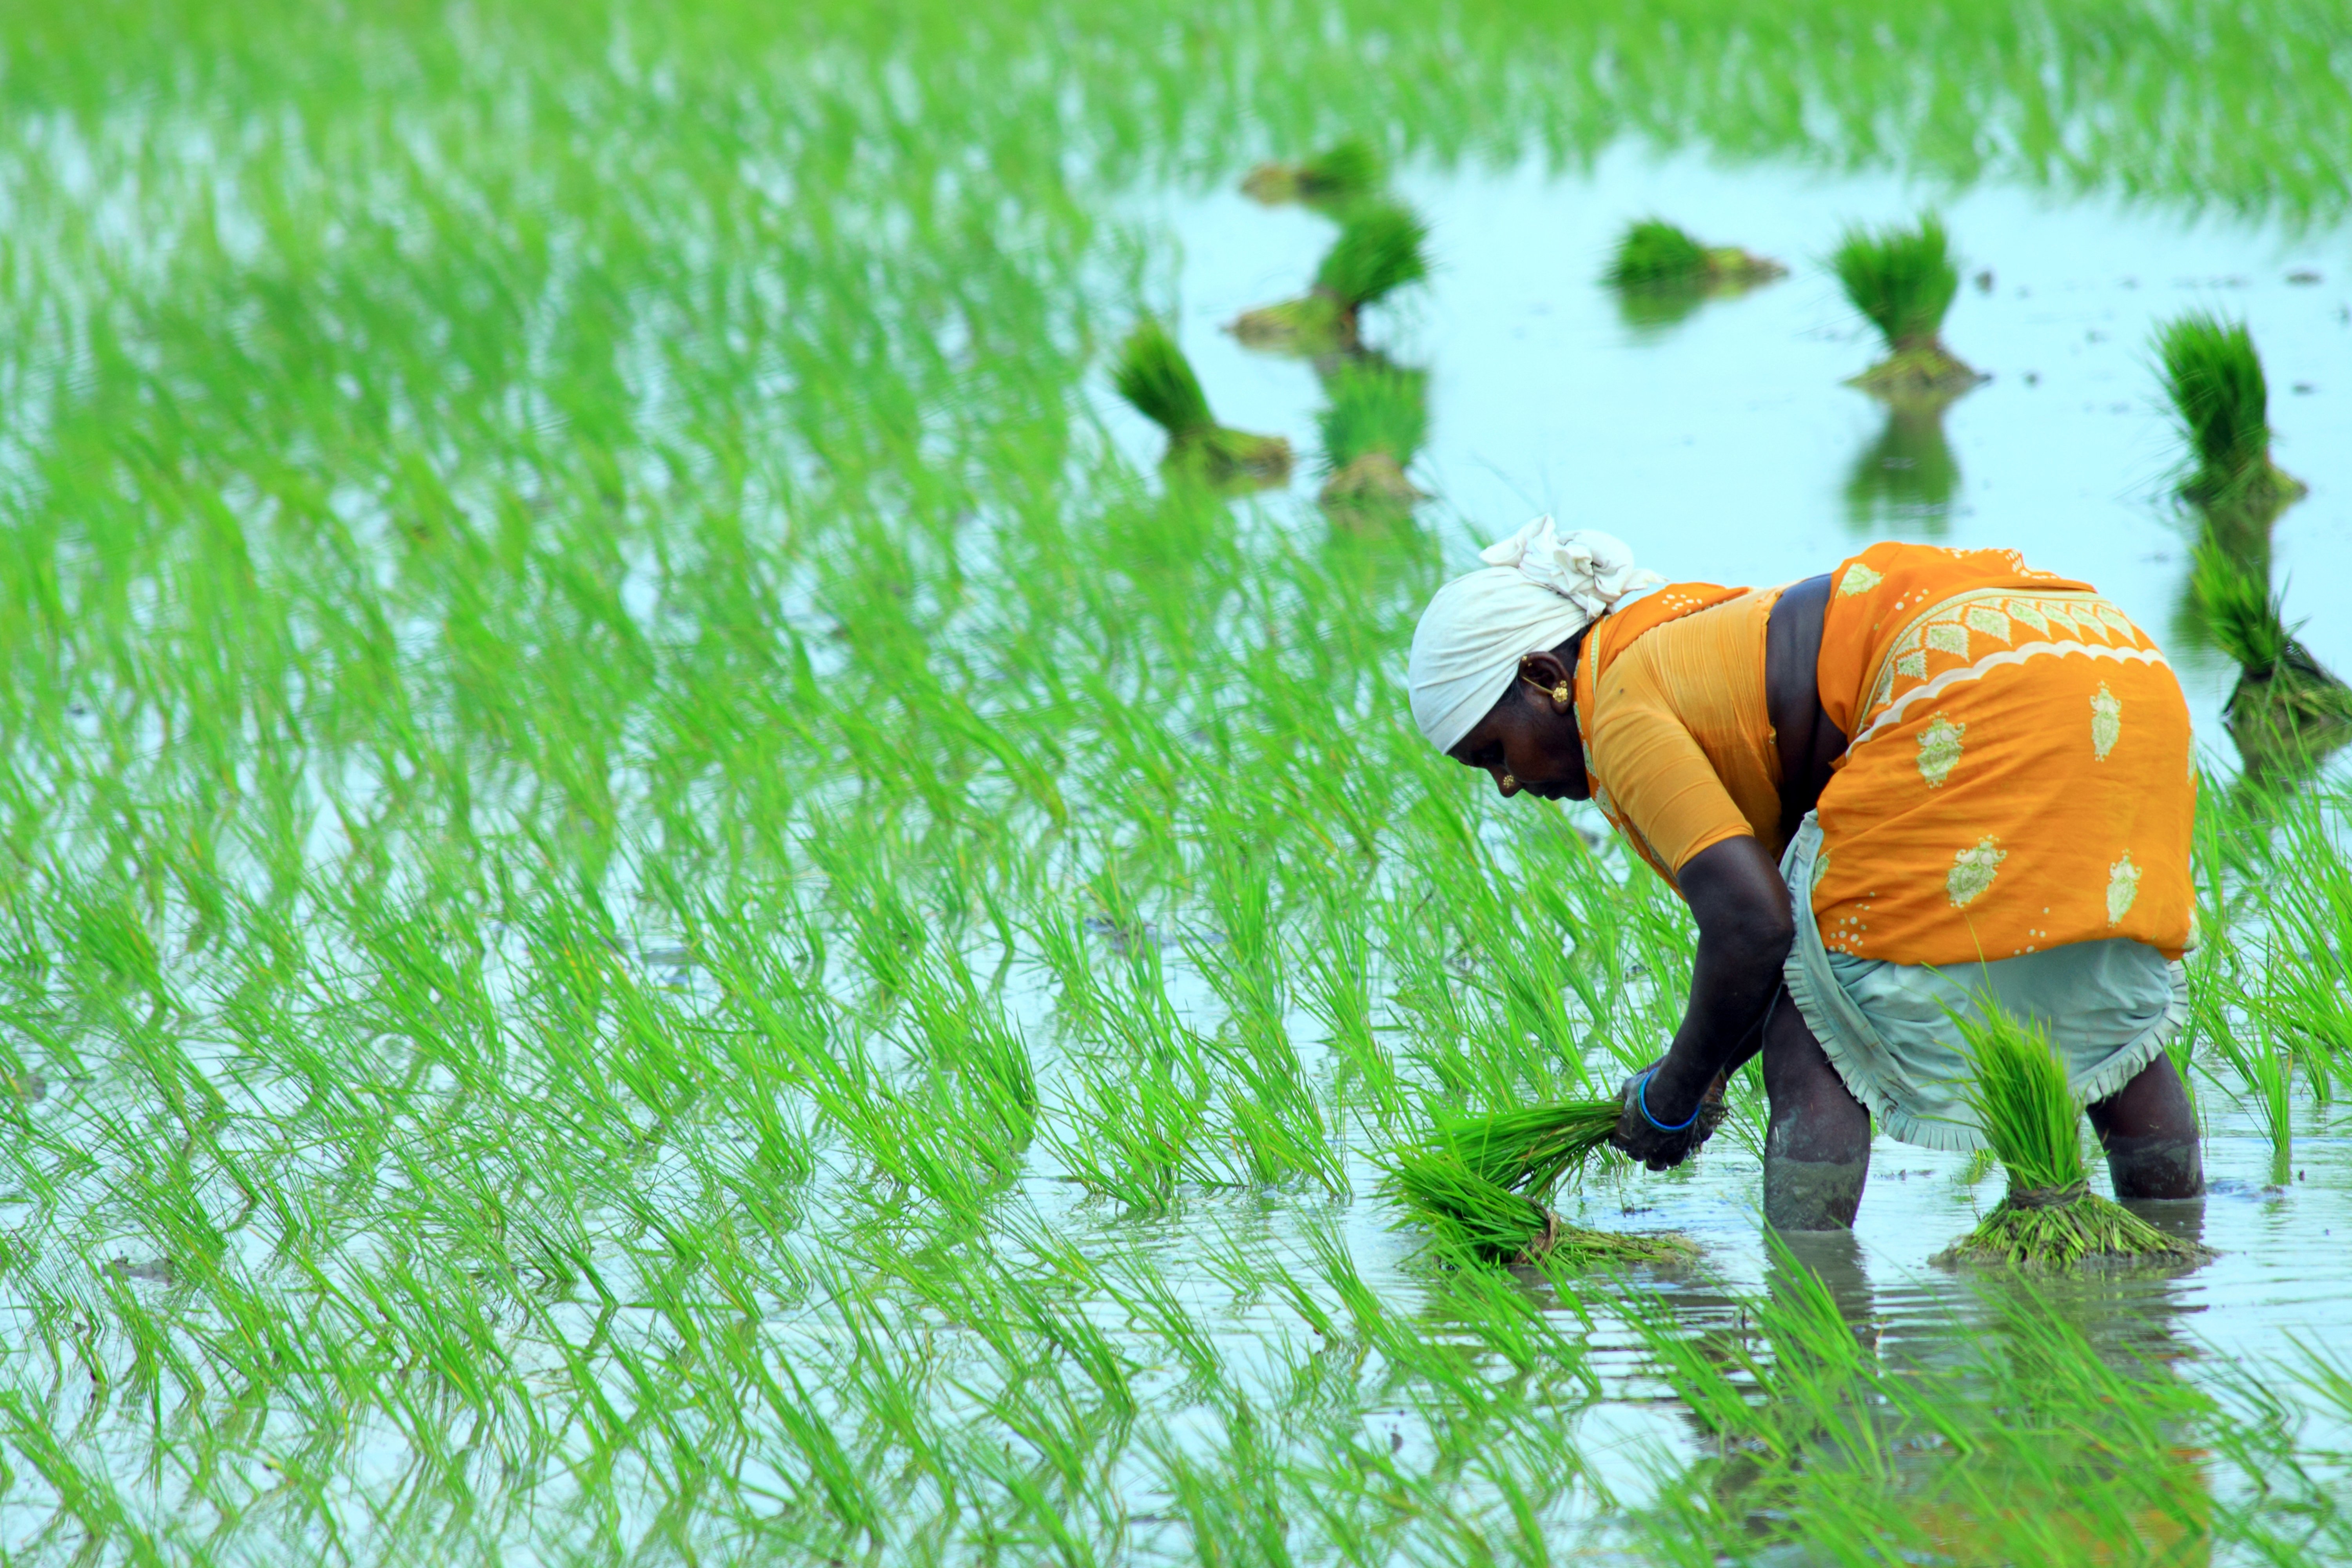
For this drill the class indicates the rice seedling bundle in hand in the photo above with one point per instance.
(2214, 379)
(2050, 1221)
(1904, 281)
(1477, 1185)
(1654, 254)
(1153, 375)
(1378, 252)
(2286, 704)
(1377, 420)
(1350, 172)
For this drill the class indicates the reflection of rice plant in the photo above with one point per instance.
(1378, 418)
(2214, 379)
(1654, 254)
(1477, 1183)
(1347, 171)
(1904, 280)
(2050, 1219)
(1379, 251)
(1908, 475)
(2286, 701)
(1153, 375)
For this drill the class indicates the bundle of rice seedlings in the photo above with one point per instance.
(2287, 704)
(1378, 418)
(1476, 1184)
(1654, 254)
(1904, 281)
(2050, 1221)
(2214, 379)
(1153, 375)
(1378, 252)
(1350, 172)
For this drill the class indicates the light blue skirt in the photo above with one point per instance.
(2109, 1008)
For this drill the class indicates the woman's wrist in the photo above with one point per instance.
(1670, 1098)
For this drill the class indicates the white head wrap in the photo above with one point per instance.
(1540, 588)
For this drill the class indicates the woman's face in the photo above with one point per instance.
(1527, 741)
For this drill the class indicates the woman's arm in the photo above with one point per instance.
(1744, 929)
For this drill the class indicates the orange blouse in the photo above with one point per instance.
(1680, 735)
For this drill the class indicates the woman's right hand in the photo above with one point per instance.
(1638, 1136)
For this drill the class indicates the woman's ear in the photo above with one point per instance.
(1546, 672)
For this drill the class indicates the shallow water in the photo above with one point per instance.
(1723, 447)
(557, 719)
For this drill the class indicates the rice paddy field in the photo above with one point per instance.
(664, 903)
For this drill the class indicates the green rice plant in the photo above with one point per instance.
(1342, 174)
(1471, 1217)
(1154, 375)
(1376, 421)
(2050, 1221)
(1902, 280)
(1378, 250)
(2287, 709)
(1653, 254)
(2213, 378)
(1476, 1184)
(1531, 1150)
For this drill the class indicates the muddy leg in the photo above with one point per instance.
(1817, 1149)
(2151, 1135)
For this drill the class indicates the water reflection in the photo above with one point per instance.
(1906, 478)
(1968, 1416)
(2288, 712)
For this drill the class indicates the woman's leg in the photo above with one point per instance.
(2151, 1135)
(1816, 1150)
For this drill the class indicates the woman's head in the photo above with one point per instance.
(1490, 674)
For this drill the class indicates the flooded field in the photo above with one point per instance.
(669, 904)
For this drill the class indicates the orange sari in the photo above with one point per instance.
(2020, 774)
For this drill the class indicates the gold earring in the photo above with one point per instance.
(1559, 692)
(1509, 784)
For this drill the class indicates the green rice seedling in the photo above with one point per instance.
(1470, 1215)
(1378, 250)
(2287, 709)
(1376, 421)
(1653, 254)
(2050, 1221)
(1154, 375)
(2213, 378)
(1904, 280)
(1342, 174)
(1532, 1150)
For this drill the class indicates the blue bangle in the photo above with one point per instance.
(1641, 1101)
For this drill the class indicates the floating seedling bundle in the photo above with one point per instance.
(2050, 1221)
(1654, 254)
(1378, 252)
(2286, 703)
(1153, 375)
(2214, 379)
(1350, 172)
(1904, 281)
(1479, 1184)
(1378, 418)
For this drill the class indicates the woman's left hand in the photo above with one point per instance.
(1661, 1148)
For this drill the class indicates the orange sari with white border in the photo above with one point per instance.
(2020, 773)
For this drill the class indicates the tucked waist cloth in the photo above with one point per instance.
(2109, 1008)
